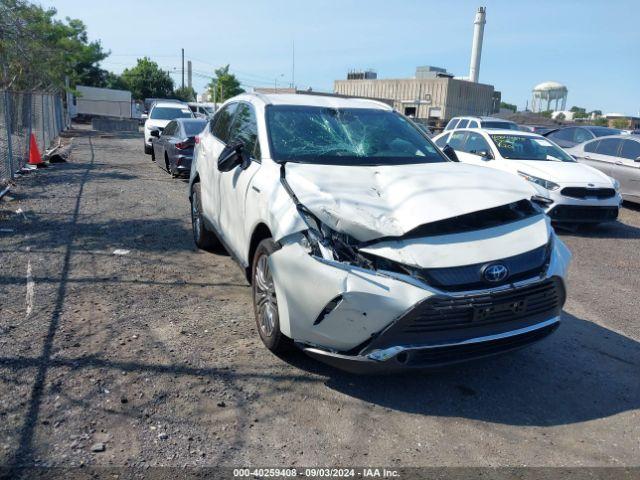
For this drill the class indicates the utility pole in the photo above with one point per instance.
(189, 74)
(183, 68)
(293, 64)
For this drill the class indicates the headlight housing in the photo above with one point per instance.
(548, 184)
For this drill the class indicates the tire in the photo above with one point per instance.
(153, 154)
(265, 302)
(148, 150)
(168, 165)
(203, 238)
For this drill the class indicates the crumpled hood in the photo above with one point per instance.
(565, 172)
(388, 201)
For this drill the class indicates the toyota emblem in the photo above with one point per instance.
(495, 272)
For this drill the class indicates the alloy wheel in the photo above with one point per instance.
(265, 297)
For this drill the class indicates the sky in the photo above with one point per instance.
(591, 46)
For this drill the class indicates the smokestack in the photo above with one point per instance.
(189, 74)
(476, 47)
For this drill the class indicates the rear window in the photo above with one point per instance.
(193, 128)
(170, 113)
(497, 124)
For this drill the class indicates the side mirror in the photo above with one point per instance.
(155, 133)
(232, 156)
(144, 116)
(450, 152)
(485, 154)
(637, 159)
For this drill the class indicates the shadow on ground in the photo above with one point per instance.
(582, 372)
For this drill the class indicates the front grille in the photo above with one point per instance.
(446, 313)
(469, 277)
(579, 213)
(441, 318)
(458, 353)
(583, 192)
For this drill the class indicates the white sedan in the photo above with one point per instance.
(569, 192)
(159, 117)
(366, 246)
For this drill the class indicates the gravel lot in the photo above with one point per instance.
(151, 357)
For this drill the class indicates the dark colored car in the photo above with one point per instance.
(173, 148)
(571, 136)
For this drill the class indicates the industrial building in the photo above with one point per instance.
(436, 97)
(433, 94)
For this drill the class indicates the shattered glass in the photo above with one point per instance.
(349, 136)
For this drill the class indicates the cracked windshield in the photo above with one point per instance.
(353, 136)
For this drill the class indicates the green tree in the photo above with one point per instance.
(546, 113)
(575, 109)
(115, 81)
(40, 51)
(509, 106)
(147, 80)
(620, 123)
(601, 122)
(186, 94)
(224, 85)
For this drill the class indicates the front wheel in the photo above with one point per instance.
(202, 237)
(265, 300)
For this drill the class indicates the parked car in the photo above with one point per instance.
(480, 122)
(201, 110)
(364, 244)
(569, 192)
(173, 148)
(568, 137)
(160, 115)
(618, 157)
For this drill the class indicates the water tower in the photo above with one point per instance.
(548, 95)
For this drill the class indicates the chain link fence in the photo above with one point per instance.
(23, 114)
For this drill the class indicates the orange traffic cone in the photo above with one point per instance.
(34, 154)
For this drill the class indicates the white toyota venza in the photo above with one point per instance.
(570, 192)
(366, 246)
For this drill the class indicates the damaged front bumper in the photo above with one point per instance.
(403, 357)
(368, 321)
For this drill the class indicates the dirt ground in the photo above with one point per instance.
(121, 344)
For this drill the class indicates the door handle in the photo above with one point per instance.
(618, 162)
(587, 157)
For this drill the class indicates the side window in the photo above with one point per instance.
(457, 140)
(581, 135)
(630, 149)
(169, 129)
(442, 141)
(476, 143)
(608, 146)
(473, 124)
(221, 124)
(463, 124)
(245, 129)
(591, 146)
(452, 124)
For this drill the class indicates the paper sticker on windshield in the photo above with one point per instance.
(544, 143)
(186, 111)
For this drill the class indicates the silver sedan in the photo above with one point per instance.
(618, 156)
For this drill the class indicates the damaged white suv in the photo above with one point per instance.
(365, 245)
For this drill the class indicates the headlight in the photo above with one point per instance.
(549, 185)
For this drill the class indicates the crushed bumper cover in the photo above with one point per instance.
(402, 358)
